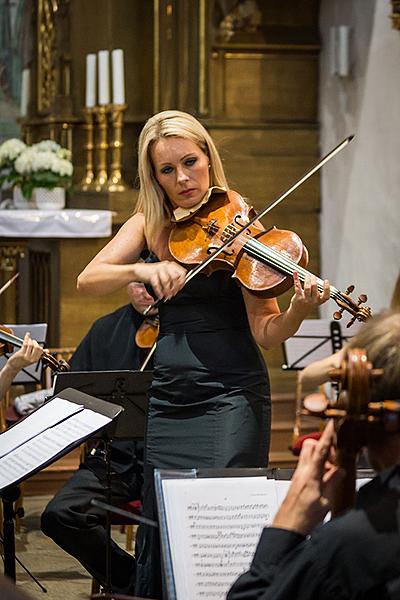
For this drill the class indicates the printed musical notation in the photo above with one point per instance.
(214, 527)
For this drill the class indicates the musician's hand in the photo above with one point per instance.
(311, 490)
(29, 353)
(307, 297)
(165, 277)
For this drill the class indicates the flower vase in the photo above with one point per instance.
(50, 199)
(20, 201)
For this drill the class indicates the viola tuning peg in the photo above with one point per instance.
(350, 323)
(337, 315)
(362, 298)
(350, 289)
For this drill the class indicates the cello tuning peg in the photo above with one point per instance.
(362, 298)
(350, 289)
(337, 315)
(352, 320)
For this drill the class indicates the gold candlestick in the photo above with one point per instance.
(100, 183)
(88, 179)
(116, 182)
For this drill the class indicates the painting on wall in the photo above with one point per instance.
(15, 56)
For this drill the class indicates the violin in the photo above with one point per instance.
(8, 341)
(262, 260)
(147, 333)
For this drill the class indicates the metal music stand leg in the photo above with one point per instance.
(8, 497)
(107, 451)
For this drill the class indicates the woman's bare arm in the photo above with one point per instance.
(269, 326)
(317, 373)
(116, 265)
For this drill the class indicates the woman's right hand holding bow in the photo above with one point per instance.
(165, 277)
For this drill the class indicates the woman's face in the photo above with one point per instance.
(181, 169)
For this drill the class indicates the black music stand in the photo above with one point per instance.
(38, 440)
(127, 389)
(314, 340)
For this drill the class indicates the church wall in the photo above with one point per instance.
(360, 188)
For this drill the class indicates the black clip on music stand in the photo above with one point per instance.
(127, 389)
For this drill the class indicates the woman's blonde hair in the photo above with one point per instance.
(152, 201)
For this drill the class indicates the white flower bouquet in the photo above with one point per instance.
(43, 165)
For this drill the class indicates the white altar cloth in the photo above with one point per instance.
(67, 223)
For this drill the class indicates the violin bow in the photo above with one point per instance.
(8, 283)
(260, 215)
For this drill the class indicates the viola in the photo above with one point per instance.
(262, 260)
(8, 341)
(147, 333)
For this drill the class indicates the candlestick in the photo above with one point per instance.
(118, 79)
(100, 183)
(87, 181)
(104, 77)
(25, 91)
(115, 182)
(90, 80)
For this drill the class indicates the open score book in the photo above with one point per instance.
(210, 527)
(50, 432)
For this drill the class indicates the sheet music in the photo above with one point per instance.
(214, 526)
(282, 487)
(47, 444)
(46, 416)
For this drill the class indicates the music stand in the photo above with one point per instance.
(314, 340)
(127, 389)
(38, 440)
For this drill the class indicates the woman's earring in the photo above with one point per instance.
(209, 165)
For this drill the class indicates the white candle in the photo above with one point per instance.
(118, 79)
(344, 50)
(90, 80)
(104, 77)
(25, 91)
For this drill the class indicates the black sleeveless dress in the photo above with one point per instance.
(209, 403)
